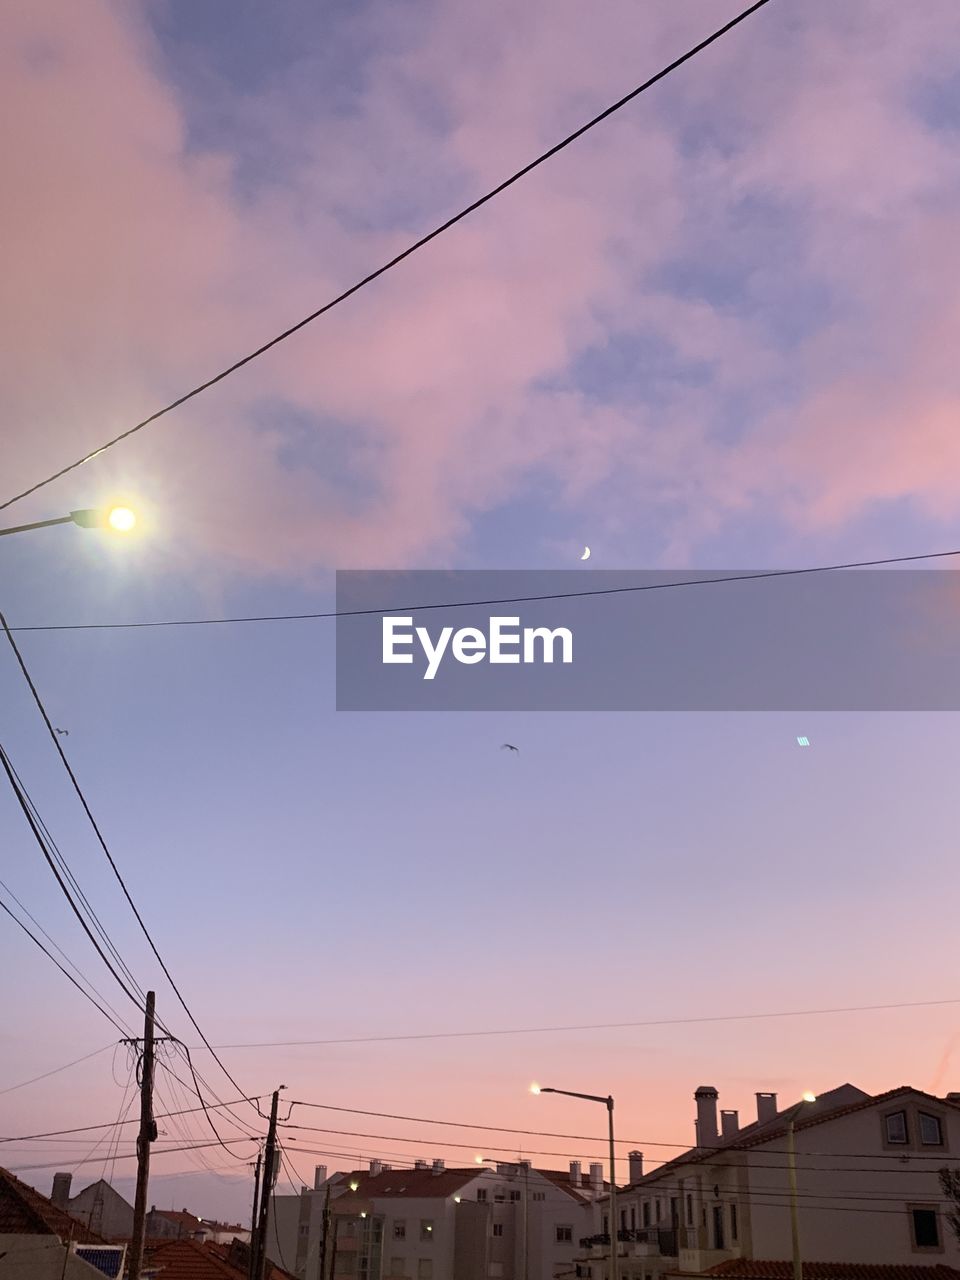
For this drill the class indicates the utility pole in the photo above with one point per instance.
(326, 1233)
(254, 1215)
(148, 1134)
(794, 1208)
(614, 1224)
(266, 1187)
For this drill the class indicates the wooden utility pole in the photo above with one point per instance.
(148, 1134)
(255, 1215)
(266, 1187)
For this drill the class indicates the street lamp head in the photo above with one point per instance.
(535, 1088)
(809, 1097)
(121, 519)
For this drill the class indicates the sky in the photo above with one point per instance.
(717, 332)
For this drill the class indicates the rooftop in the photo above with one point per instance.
(24, 1211)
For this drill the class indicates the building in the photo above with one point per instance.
(104, 1210)
(38, 1234)
(511, 1222)
(867, 1190)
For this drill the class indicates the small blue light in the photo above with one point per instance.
(803, 742)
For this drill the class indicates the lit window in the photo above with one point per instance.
(896, 1127)
(926, 1229)
(498, 1228)
(931, 1134)
(400, 1229)
(564, 1234)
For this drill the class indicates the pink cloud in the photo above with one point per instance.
(133, 268)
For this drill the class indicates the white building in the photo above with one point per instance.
(867, 1189)
(512, 1222)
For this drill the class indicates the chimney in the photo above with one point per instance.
(636, 1165)
(438, 1166)
(420, 1164)
(376, 1167)
(575, 1176)
(319, 1176)
(729, 1123)
(706, 1098)
(766, 1107)
(61, 1189)
(596, 1177)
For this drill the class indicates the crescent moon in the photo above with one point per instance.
(586, 554)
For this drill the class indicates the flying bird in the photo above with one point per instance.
(508, 746)
(65, 732)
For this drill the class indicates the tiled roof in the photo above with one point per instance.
(25, 1211)
(187, 1222)
(410, 1184)
(747, 1269)
(561, 1179)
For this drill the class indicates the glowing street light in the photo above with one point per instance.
(119, 519)
(614, 1226)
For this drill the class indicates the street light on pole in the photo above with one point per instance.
(119, 519)
(608, 1103)
(792, 1182)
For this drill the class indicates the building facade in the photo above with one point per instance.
(857, 1173)
(510, 1222)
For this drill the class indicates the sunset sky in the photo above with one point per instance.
(717, 332)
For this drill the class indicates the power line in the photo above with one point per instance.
(55, 738)
(593, 1026)
(69, 976)
(470, 604)
(400, 257)
(120, 1023)
(163, 1115)
(56, 1070)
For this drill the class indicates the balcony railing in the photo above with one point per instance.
(662, 1239)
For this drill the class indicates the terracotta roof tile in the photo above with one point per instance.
(23, 1210)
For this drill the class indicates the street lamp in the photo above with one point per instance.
(119, 519)
(608, 1103)
(792, 1180)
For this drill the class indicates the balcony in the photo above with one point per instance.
(645, 1242)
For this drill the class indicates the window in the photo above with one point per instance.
(895, 1126)
(926, 1229)
(659, 1209)
(426, 1229)
(495, 1269)
(646, 1213)
(514, 1197)
(424, 1269)
(623, 1219)
(931, 1134)
(539, 1195)
(674, 1212)
(718, 1240)
(482, 1196)
(689, 1211)
(564, 1234)
(396, 1267)
(633, 1217)
(400, 1229)
(498, 1228)
(734, 1229)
